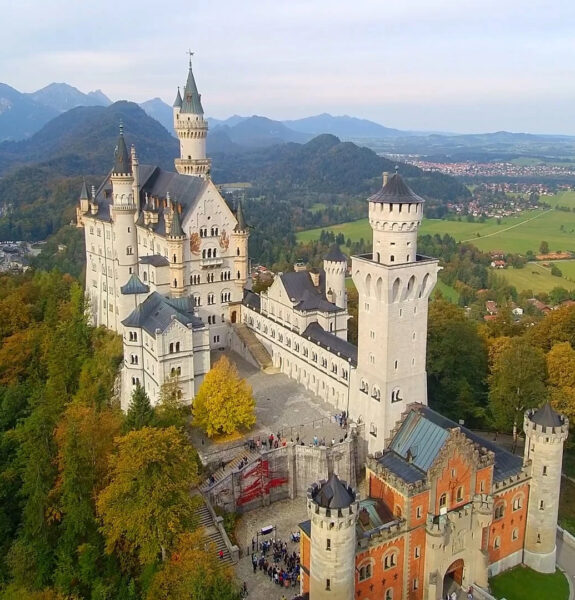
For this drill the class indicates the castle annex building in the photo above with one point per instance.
(167, 268)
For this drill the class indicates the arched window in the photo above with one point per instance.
(177, 346)
(237, 251)
(499, 511)
(389, 594)
(497, 542)
(459, 495)
(443, 500)
(390, 560)
(172, 348)
(518, 502)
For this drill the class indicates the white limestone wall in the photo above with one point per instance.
(544, 448)
(319, 370)
(332, 552)
(335, 281)
(395, 227)
(392, 340)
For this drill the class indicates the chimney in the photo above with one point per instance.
(385, 177)
(299, 266)
(314, 274)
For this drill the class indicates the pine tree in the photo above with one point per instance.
(140, 412)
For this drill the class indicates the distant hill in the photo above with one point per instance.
(326, 164)
(344, 126)
(62, 97)
(260, 132)
(82, 140)
(162, 112)
(20, 115)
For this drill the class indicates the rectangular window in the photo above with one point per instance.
(328, 544)
(417, 552)
(418, 512)
(415, 583)
(327, 584)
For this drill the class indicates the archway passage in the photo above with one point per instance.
(453, 578)
(234, 317)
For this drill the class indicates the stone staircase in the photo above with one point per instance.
(213, 535)
(231, 467)
(255, 347)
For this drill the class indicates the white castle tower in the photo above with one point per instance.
(545, 434)
(239, 239)
(124, 213)
(333, 509)
(191, 129)
(335, 266)
(394, 285)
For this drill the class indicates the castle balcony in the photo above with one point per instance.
(207, 263)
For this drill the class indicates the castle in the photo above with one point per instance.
(167, 268)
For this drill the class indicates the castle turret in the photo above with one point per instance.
(83, 206)
(192, 130)
(333, 508)
(545, 434)
(176, 238)
(394, 285)
(335, 267)
(395, 214)
(240, 237)
(124, 214)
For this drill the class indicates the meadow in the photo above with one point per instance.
(516, 234)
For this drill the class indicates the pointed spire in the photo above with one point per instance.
(178, 100)
(121, 155)
(176, 225)
(241, 226)
(191, 102)
(84, 193)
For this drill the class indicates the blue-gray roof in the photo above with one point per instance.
(192, 101)
(335, 254)
(122, 162)
(400, 467)
(305, 526)
(252, 300)
(423, 433)
(334, 494)
(156, 260)
(301, 290)
(396, 191)
(546, 416)
(134, 286)
(157, 312)
(316, 333)
(419, 440)
(157, 183)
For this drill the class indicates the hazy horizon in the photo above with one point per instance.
(462, 67)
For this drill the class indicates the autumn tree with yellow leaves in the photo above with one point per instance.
(225, 402)
(147, 503)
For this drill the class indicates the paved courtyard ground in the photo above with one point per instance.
(285, 517)
(282, 406)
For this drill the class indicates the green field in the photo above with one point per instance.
(521, 583)
(534, 276)
(516, 234)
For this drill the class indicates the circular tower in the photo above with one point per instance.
(545, 434)
(395, 214)
(335, 266)
(333, 508)
(239, 239)
(191, 129)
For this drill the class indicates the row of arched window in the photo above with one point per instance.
(213, 231)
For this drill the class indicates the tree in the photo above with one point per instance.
(224, 402)
(147, 502)
(193, 571)
(170, 409)
(517, 382)
(456, 379)
(140, 412)
(543, 248)
(561, 369)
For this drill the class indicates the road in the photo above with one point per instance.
(566, 560)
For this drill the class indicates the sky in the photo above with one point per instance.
(432, 65)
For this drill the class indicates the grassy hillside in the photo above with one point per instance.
(516, 234)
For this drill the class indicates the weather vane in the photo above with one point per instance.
(191, 54)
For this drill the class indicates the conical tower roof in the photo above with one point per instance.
(178, 100)
(84, 192)
(192, 101)
(547, 417)
(334, 494)
(396, 191)
(335, 254)
(121, 155)
(241, 226)
(176, 225)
